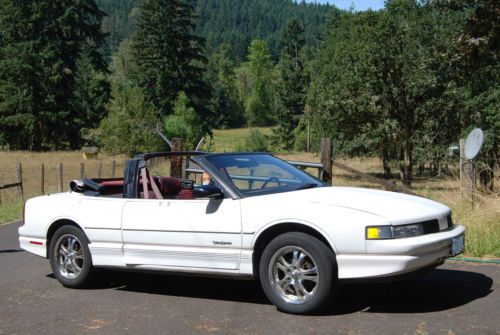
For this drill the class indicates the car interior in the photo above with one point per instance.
(155, 182)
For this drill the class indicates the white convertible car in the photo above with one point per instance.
(252, 215)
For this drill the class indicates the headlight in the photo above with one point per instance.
(410, 230)
(389, 232)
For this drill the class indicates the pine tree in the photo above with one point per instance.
(225, 102)
(293, 84)
(184, 123)
(169, 56)
(259, 106)
(129, 126)
(19, 77)
(92, 92)
(41, 42)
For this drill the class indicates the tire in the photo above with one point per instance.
(70, 257)
(298, 273)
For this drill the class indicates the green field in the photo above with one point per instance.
(227, 140)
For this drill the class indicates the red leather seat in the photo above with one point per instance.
(169, 186)
(185, 194)
(112, 183)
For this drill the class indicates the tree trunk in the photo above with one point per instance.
(421, 168)
(486, 178)
(406, 163)
(434, 168)
(408, 168)
(37, 137)
(385, 163)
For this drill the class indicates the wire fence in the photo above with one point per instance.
(19, 182)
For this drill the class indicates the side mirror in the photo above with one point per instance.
(208, 191)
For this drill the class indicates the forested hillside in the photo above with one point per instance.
(119, 22)
(236, 22)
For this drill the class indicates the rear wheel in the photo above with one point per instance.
(70, 257)
(298, 273)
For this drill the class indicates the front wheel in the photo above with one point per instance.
(298, 273)
(70, 257)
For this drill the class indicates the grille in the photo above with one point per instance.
(450, 221)
(430, 226)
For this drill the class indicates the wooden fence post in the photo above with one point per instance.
(326, 160)
(113, 168)
(99, 169)
(42, 180)
(19, 177)
(185, 174)
(82, 170)
(466, 172)
(176, 162)
(60, 177)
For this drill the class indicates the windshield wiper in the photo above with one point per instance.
(306, 186)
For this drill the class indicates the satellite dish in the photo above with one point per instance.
(473, 143)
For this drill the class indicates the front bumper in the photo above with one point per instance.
(390, 258)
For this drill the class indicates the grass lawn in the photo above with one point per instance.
(482, 220)
(227, 140)
(10, 210)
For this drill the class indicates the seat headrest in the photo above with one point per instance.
(169, 186)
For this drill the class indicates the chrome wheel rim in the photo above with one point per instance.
(293, 274)
(69, 256)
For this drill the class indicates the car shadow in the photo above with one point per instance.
(438, 290)
(184, 286)
(10, 251)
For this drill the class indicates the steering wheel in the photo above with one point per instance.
(270, 180)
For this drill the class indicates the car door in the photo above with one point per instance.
(199, 233)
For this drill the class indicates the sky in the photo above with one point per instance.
(358, 4)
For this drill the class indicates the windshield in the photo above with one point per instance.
(257, 174)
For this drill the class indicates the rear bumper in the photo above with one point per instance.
(34, 245)
(393, 258)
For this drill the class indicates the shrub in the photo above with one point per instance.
(184, 123)
(254, 142)
(130, 125)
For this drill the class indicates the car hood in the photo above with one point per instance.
(397, 208)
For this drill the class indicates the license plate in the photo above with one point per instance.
(457, 246)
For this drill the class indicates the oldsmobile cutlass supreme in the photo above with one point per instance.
(251, 215)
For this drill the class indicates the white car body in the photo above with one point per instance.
(220, 236)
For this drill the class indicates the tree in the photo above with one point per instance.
(293, 84)
(169, 56)
(225, 103)
(477, 78)
(184, 123)
(18, 77)
(92, 92)
(41, 42)
(406, 56)
(341, 97)
(129, 127)
(123, 66)
(119, 24)
(259, 105)
(385, 85)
